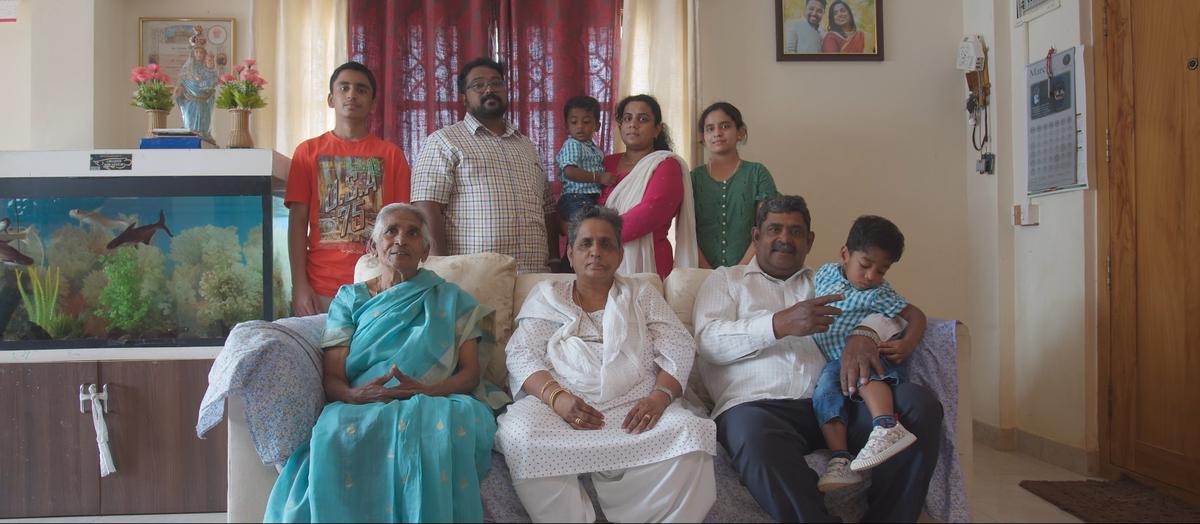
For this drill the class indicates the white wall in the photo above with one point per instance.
(70, 63)
(1055, 271)
(61, 79)
(858, 137)
(1034, 288)
(15, 98)
(989, 238)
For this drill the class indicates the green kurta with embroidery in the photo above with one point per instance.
(725, 210)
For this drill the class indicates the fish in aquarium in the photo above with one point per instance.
(10, 255)
(8, 233)
(134, 233)
(95, 219)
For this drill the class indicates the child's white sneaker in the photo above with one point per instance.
(883, 444)
(837, 475)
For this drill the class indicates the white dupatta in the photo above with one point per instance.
(599, 374)
(639, 254)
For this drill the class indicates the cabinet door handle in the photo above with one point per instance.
(86, 391)
(99, 402)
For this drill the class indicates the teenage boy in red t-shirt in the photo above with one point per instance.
(337, 183)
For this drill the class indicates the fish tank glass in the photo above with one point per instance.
(137, 261)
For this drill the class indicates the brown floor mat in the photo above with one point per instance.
(1121, 501)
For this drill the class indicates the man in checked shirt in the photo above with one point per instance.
(481, 181)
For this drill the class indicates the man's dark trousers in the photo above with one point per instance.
(768, 439)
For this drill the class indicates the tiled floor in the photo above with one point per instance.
(996, 496)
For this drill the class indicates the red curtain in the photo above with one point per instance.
(558, 49)
(415, 48)
(554, 49)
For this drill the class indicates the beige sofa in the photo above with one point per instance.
(492, 279)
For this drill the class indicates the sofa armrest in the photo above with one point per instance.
(965, 436)
(250, 481)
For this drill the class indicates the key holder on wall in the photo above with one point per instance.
(972, 59)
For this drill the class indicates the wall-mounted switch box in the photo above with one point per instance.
(986, 165)
(1025, 214)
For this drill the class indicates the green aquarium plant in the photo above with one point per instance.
(121, 302)
(41, 301)
(66, 326)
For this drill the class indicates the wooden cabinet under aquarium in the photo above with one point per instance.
(127, 269)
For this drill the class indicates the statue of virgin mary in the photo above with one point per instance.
(196, 87)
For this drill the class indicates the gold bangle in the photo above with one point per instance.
(555, 395)
(542, 393)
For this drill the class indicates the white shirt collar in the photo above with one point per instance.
(753, 267)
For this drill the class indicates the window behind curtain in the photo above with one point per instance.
(554, 49)
(558, 49)
(414, 48)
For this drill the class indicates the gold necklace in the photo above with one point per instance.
(578, 298)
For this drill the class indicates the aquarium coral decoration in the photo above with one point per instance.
(242, 89)
(121, 302)
(135, 234)
(152, 92)
(229, 295)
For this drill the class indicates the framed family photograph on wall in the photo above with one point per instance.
(171, 42)
(828, 30)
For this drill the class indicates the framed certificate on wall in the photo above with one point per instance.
(169, 42)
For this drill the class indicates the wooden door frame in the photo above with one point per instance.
(1113, 127)
(1117, 240)
(1100, 129)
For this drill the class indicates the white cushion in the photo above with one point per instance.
(682, 286)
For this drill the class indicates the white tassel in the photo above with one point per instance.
(107, 467)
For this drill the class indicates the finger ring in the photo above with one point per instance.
(646, 416)
(578, 421)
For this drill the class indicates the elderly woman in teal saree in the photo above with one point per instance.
(407, 434)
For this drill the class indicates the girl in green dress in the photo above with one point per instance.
(727, 189)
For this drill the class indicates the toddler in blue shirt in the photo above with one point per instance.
(874, 244)
(580, 162)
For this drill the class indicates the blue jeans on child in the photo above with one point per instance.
(571, 203)
(828, 401)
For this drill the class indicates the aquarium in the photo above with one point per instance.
(138, 260)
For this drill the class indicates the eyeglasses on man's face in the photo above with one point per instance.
(480, 86)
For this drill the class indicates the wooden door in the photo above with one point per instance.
(1153, 115)
(49, 464)
(161, 466)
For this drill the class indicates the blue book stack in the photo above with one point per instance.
(174, 142)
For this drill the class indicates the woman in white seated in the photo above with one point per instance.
(597, 364)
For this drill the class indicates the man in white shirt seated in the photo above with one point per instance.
(760, 364)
